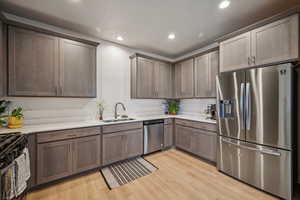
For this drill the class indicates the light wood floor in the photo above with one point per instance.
(180, 177)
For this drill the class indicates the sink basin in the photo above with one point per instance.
(118, 120)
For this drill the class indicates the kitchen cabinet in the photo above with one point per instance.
(206, 70)
(123, 142)
(168, 133)
(86, 153)
(196, 138)
(278, 41)
(33, 63)
(184, 137)
(272, 43)
(64, 153)
(77, 69)
(163, 80)
(235, 53)
(184, 79)
(3, 53)
(54, 161)
(145, 78)
(151, 78)
(45, 65)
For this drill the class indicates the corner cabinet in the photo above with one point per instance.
(206, 70)
(269, 44)
(184, 79)
(45, 65)
(150, 78)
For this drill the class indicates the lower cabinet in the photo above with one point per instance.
(121, 145)
(200, 142)
(55, 160)
(58, 159)
(86, 153)
(168, 135)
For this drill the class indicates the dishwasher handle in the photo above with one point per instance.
(150, 122)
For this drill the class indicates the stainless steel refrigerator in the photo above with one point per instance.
(255, 127)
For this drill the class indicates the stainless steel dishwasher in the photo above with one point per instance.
(153, 135)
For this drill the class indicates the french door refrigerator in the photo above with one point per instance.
(254, 117)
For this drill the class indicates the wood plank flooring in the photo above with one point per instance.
(180, 177)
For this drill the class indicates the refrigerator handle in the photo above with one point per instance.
(242, 105)
(248, 106)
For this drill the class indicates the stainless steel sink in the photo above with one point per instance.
(118, 120)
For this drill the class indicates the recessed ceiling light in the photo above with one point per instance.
(224, 4)
(75, 1)
(171, 36)
(120, 38)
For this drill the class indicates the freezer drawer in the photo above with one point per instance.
(266, 168)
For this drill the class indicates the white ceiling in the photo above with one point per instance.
(145, 24)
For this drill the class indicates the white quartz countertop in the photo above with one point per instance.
(27, 129)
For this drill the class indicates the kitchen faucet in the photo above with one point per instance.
(116, 109)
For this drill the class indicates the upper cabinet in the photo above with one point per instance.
(45, 65)
(235, 52)
(184, 79)
(278, 41)
(33, 63)
(163, 80)
(206, 70)
(275, 42)
(150, 78)
(145, 78)
(77, 63)
(2, 60)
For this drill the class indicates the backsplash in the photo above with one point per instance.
(195, 106)
(113, 71)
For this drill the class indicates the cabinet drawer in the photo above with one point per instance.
(67, 134)
(205, 126)
(122, 127)
(184, 122)
(197, 125)
(168, 121)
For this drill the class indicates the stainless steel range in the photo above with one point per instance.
(254, 116)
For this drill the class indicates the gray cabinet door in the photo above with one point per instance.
(54, 160)
(3, 50)
(77, 69)
(202, 76)
(168, 135)
(133, 143)
(235, 53)
(278, 41)
(213, 72)
(33, 63)
(184, 137)
(184, 79)
(163, 80)
(86, 153)
(112, 148)
(205, 144)
(145, 78)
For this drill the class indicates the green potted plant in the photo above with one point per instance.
(15, 120)
(101, 109)
(3, 109)
(173, 106)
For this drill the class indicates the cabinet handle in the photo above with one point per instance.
(254, 59)
(249, 61)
